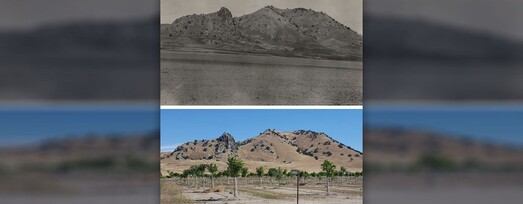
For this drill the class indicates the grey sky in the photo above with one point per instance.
(493, 16)
(348, 12)
(22, 14)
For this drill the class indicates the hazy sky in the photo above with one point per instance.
(348, 12)
(180, 126)
(23, 14)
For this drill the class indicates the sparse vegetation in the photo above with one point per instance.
(260, 173)
(328, 153)
(171, 194)
(195, 176)
(329, 169)
(234, 168)
(213, 169)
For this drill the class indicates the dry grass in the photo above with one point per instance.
(216, 190)
(358, 191)
(266, 195)
(172, 193)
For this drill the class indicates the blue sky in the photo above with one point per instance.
(180, 126)
(29, 125)
(499, 124)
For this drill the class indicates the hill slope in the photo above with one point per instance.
(300, 149)
(289, 32)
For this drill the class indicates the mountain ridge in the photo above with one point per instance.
(300, 148)
(294, 32)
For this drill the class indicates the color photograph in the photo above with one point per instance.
(261, 155)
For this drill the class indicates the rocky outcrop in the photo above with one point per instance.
(220, 147)
(225, 144)
(210, 28)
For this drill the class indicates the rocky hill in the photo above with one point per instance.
(298, 149)
(290, 32)
(217, 148)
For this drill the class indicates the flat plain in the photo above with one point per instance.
(206, 77)
(346, 190)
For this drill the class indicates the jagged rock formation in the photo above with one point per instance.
(225, 143)
(296, 32)
(220, 147)
(215, 27)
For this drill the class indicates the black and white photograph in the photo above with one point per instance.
(261, 52)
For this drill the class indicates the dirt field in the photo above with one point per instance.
(203, 78)
(194, 190)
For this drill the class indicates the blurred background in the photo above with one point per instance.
(79, 95)
(79, 101)
(443, 106)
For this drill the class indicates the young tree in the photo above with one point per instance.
(259, 173)
(194, 171)
(304, 175)
(285, 175)
(343, 171)
(200, 171)
(329, 169)
(280, 175)
(244, 174)
(212, 168)
(273, 172)
(234, 168)
(226, 174)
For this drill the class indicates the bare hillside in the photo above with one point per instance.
(289, 32)
(298, 149)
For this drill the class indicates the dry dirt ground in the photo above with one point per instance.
(176, 191)
(205, 78)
